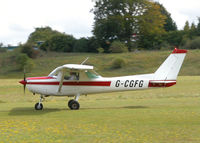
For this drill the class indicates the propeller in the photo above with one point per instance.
(24, 81)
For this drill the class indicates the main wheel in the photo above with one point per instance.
(74, 105)
(38, 106)
(70, 101)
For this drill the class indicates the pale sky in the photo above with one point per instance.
(20, 17)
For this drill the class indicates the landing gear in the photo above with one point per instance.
(39, 106)
(73, 103)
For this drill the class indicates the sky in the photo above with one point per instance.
(20, 17)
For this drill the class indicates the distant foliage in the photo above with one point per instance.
(81, 45)
(118, 47)
(118, 63)
(59, 43)
(24, 62)
(42, 34)
(192, 44)
(169, 25)
(29, 50)
(2, 50)
(100, 50)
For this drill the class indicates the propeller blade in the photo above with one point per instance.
(24, 88)
(24, 80)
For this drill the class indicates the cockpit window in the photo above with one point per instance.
(71, 76)
(91, 75)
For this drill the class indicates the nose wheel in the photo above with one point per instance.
(39, 106)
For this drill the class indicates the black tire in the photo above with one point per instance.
(38, 106)
(70, 101)
(74, 105)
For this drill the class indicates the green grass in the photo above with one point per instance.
(136, 63)
(167, 115)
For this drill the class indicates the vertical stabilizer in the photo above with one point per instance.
(171, 66)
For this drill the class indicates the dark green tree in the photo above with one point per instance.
(81, 45)
(121, 19)
(198, 27)
(29, 50)
(93, 45)
(42, 34)
(170, 24)
(59, 43)
(186, 27)
(116, 20)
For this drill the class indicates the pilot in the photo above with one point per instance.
(73, 76)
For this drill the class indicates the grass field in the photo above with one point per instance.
(169, 115)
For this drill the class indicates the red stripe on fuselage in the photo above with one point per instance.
(75, 83)
(39, 78)
(161, 84)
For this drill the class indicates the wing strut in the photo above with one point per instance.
(61, 80)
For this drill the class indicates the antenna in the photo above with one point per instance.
(84, 60)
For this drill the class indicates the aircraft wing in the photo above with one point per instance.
(71, 67)
(78, 67)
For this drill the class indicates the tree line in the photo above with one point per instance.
(120, 26)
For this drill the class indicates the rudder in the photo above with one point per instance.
(170, 68)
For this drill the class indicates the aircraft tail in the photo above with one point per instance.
(169, 69)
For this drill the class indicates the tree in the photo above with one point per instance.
(169, 25)
(186, 27)
(81, 45)
(24, 62)
(42, 34)
(151, 27)
(29, 50)
(198, 27)
(1, 45)
(93, 45)
(152, 21)
(59, 43)
(121, 19)
(193, 44)
(116, 20)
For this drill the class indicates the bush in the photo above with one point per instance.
(118, 63)
(24, 62)
(29, 50)
(100, 50)
(118, 47)
(192, 44)
(2, 50)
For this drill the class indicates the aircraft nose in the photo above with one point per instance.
(23, 82)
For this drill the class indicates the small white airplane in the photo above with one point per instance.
(74, 80)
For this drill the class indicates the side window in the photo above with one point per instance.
(71, 76)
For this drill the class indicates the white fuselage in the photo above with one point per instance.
(49, 85)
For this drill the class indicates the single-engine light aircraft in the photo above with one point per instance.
(73, 80)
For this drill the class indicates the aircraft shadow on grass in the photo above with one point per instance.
(21, 111)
